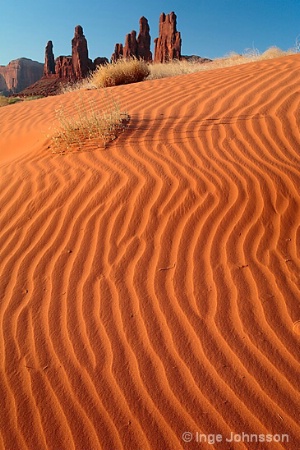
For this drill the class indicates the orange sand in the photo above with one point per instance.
(152, 288)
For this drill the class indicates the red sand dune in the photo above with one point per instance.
(152, 288)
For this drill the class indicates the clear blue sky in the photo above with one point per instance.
(209, 28)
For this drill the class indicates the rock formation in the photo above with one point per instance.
(195, 59)
(71, 68)
(144, 40)
(168, 44)
(51, 85)
(78, 65)
(64, 68)
(135, 47)
(80, 58)
(49, 66)
(131, 46)
(100, 61)
(19, 74)
(118, 53)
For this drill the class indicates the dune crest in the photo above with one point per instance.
(152, 288)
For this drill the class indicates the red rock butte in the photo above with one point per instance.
(19, 74)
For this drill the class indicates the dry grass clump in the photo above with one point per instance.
(275, 52)
(176, 67)
(120, 72)
(88, 122)
(85, 84)
(251, 55)
(4, 101)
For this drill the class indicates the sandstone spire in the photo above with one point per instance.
(49, 66)
(80, 58)
(168, 44)
(131, 46)
(135, 47)
(118, 53)
(144, 40)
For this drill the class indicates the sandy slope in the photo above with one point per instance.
(152, 288)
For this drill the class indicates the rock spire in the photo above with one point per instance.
(168, 44)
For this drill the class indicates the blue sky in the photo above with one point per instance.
(209, 28)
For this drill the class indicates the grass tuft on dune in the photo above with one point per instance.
(176, 67)
(88, 122)
(120, 72)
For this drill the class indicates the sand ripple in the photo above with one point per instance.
(152, 288)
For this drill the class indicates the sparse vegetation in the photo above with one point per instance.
(176, 67)
(32, 97)
(275, 52)
(122, 71)
(88, 123)
(85, 84)
(4, 101)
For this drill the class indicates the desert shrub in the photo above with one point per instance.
(88, 122)
(175, 67)
(85, 84)
(122, 71)
(4, 101)
(12, 100)
(251, 53)
(274, 52)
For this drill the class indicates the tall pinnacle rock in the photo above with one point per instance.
(80, 58)
(137, 47)
(49, 66)
(144, 40)
(168, 44)
(131, 46)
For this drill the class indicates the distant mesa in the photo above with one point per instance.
(195, 59)
(19, 74)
